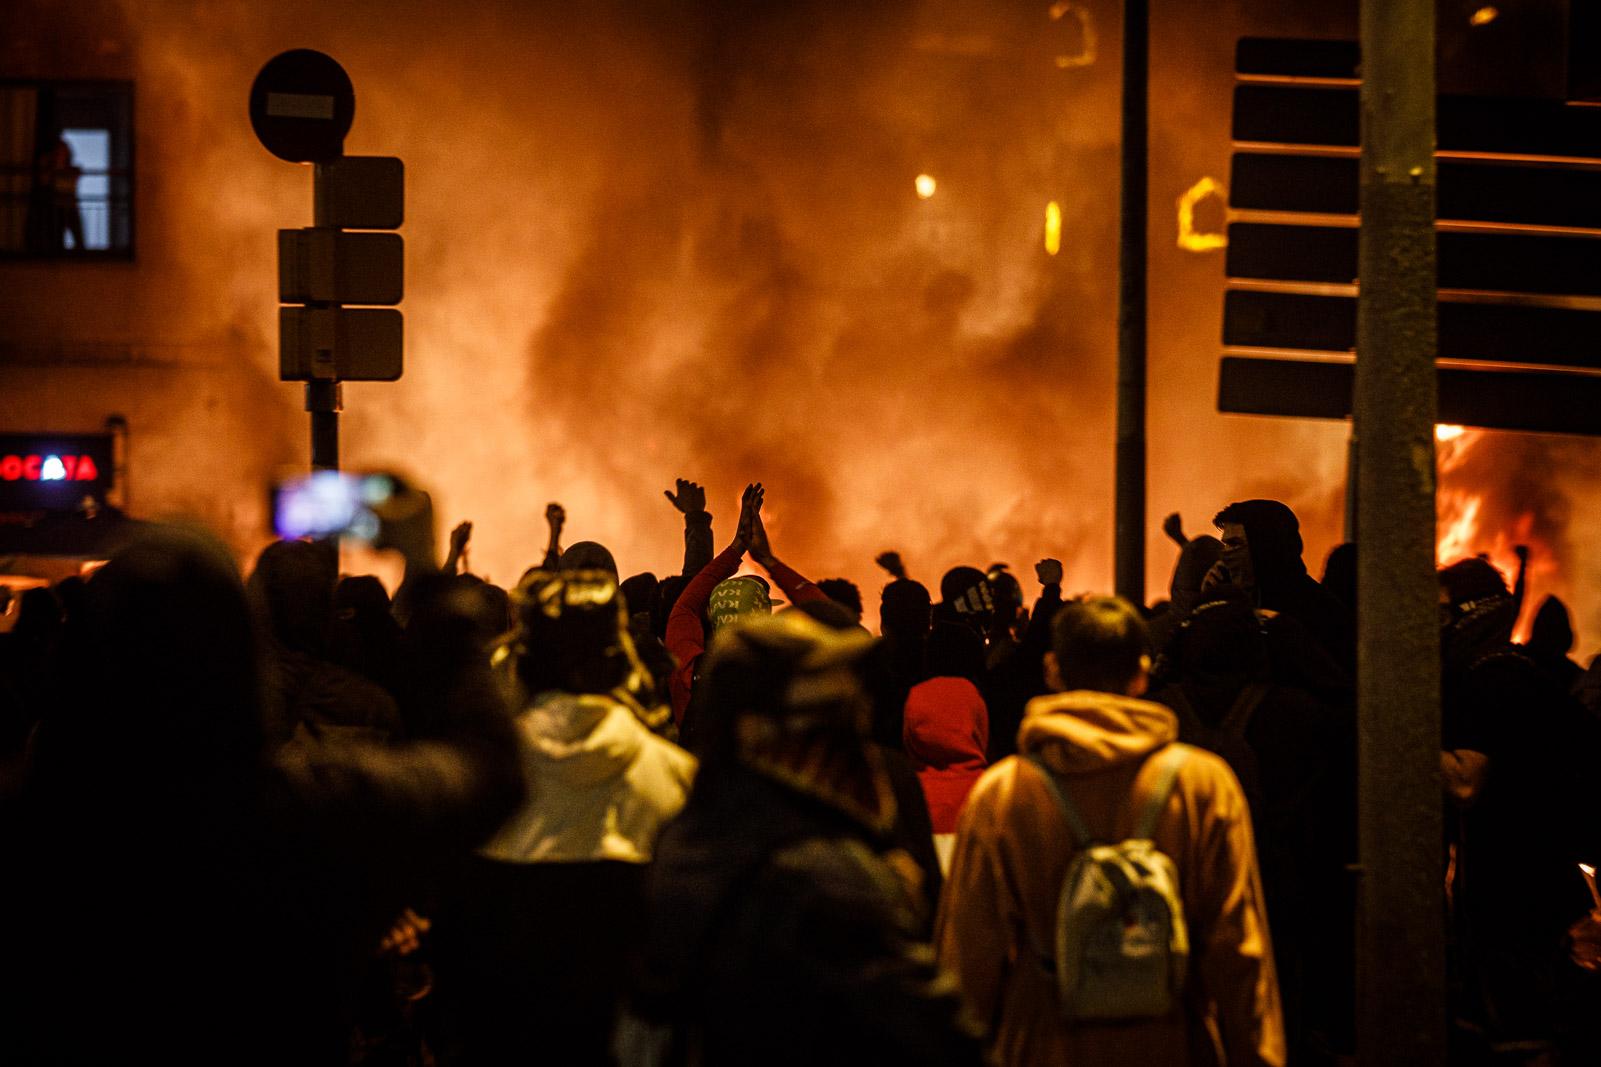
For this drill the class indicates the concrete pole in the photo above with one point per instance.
(1129, 508)
(1401, 1012)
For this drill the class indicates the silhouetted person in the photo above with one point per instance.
(58, 174)
(1550, 641)
(230, 901)
(782, 931)
(538, 939)
(998, 919)
(313, 699)
(1262, 556)
(1295, 758)
(1517, 763)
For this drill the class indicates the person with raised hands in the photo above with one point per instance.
(715, 598)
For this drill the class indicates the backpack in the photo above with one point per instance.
(1227, 737)
(1122, 948)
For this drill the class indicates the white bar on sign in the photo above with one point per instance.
(299, 106)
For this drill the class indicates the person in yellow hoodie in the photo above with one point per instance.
(1013, 849)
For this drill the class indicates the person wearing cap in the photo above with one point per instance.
(783, 921)
(721, 598)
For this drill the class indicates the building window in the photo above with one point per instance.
(66, 169)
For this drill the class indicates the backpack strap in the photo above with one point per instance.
(1245, 705)
(1166, 773)
(1082, 838)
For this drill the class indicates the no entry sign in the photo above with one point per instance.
(302, 105)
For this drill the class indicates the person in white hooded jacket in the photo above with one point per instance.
(536, 952)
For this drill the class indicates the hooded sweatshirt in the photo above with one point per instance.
(600, 784)
(946, 732)
(1012, 854)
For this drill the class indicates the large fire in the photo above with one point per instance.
(645, 243)
(1485, 510)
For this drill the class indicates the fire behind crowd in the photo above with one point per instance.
(596, 776)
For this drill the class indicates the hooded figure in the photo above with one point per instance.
(947, 732)
(1550, 641)
(1262, 549)
(783, 930)
(1014, 847)
(538, 943)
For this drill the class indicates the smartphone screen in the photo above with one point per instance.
(330, 504)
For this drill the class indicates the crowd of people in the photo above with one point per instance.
(710, 819)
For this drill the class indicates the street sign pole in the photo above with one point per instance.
(301, 106)
(1129, 504)
(1401, 1007)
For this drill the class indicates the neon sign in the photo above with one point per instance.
(36, 468)
(53, 472)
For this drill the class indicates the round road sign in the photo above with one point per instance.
(301, 106)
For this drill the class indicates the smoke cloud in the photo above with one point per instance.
(656, 240)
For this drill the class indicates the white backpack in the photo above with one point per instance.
(1121, 948)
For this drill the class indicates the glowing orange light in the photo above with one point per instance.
(925, 185)
(1086, 32)
(1189, 238)
(1053, 228)
(1484, 16)
(1447, 432)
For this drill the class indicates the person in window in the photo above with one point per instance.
(58, 181)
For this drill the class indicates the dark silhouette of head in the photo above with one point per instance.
(292, 590)
(160, 679)
(904, 609)
(572, 633)
(1477, 613)
(1265, 533)
(781, 697)
(1339, 573)
(1099, 644)
(589, 556)
(667, 593)
(955, 651)
(965, 591)
(1552, 632)
(1222, 643)
(639, 593)
(1006, 592)
(843, 592)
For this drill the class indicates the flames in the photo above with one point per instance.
(1474, 517)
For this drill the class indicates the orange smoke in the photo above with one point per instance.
(647, 242)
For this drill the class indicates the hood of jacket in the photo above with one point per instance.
(580, 739)
(946, 725)
(1084, 732)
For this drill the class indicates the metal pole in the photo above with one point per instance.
(324, 397)
(324, 400)
(1129, 507)
(1401, 1013)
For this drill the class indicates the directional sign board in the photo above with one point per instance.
(1519, 245)
(361, 193)
(302, 105)
(339, 344)
(320, 265)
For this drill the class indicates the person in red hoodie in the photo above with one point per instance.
(686, 630)
(946, 733)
